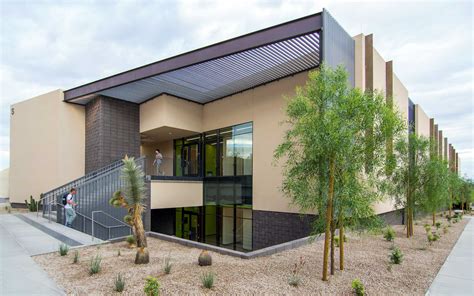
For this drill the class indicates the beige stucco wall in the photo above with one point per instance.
(359, 61)
(4, 184)
(379, 73)
(400, 94)
(265, 107)
(170, 111)
(176, 194)
(422, 122)
(47, 145)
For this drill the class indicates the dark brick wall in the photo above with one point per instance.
(271, 228)
(112, 130)
(393, 217)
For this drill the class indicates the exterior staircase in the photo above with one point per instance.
(95, 216)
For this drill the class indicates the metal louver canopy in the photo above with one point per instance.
(290, 48)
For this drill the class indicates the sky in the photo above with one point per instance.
(48, 45)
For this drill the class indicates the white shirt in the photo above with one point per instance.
(69, 197)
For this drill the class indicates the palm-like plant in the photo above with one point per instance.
(131, 198)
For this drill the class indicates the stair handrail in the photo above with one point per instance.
(111, 166)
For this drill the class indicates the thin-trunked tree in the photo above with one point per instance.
(436, 186)
(324, 149)
(131, 197)
(409, 177)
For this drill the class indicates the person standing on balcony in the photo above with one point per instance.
(158, 160)
(69, 207)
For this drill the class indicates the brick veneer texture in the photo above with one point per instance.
(112, 130)
(271, 228)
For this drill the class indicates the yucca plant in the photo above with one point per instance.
(131, 197)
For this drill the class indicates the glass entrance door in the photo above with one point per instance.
(190, 160)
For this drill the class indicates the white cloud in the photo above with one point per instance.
(46, 45)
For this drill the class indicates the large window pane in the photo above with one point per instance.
(210, 149)
(227, 230)
(211, 225)
(243, 148)
(226, 143)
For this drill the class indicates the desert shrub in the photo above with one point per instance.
(63, 249)
(294, 279)
(389, 234)
(396, 257)
(427, 228)
(207, 280)
(445, 229)
(336, 241)
(119, 283)
(94, 266)
(131, 240)
(438, 225)
(432, 237)
(358, 287)
(167, 265)
(76, 257)
(205, 259)
(152, 286)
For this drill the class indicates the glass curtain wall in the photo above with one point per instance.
(226, 168)
(228, 187)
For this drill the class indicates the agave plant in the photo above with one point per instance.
(131, 197)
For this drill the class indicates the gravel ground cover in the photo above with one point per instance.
(366, 259)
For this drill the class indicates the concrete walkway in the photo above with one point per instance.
(456, 276)
(25, 235)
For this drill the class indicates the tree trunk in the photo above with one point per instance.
(333, 229)
(328, 219)
(142, 256)
(341, 243)
(434, 218)
(450, 204)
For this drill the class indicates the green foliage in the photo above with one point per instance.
(76, 257)
(207, 280)
(438, 225)
(152, 286)
(396, 257)
(94, 266)
(205, 259)
(167, 265)
(427, 228)
(63, 249)
(407, 181)
(131, 240)
(336, 241)
(119, 283)
(432, 237)
(32, 205)
(294, 279)
(358, 287)
(435, 184)
(389, 234)
(330, 120)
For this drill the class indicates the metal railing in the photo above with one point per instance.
(93, 193)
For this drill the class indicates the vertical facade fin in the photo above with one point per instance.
(338, 46)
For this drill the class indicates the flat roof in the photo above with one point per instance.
(217, 70)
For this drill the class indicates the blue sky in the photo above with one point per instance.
(46, 45)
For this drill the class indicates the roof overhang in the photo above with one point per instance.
(218, 70)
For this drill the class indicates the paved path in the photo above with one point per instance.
(456, 276)
(25, 235)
